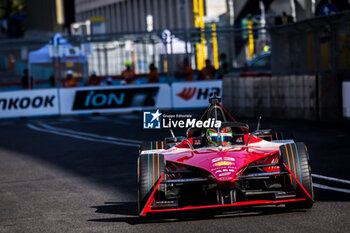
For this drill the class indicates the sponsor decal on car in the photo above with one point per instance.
(225, 174)
(216, 159)
(223, 163)
(229, 159)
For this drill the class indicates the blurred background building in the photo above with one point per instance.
(25, 17)
(44, 18)
(35, 18)
(164, 32)
(137, 15)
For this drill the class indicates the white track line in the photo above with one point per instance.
(331, 178)
(88, 134)
(321, 186)
(80, 137)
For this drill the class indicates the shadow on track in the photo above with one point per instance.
(123, 208)
(128, 210)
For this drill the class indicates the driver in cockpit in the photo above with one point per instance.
(225, 136)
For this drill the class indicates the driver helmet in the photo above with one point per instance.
(128, 64)
(225, 134)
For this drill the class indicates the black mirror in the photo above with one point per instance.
(176, 140)
(259, 133)
(263, 132)
(173, 140)
(195, 132)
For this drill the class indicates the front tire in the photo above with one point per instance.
(150, 169)
(296, 158)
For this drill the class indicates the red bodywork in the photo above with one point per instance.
(224, 165)
(217, 162)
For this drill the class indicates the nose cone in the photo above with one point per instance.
(224, 169)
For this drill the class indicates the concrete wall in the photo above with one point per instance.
(346, 100)
(314, 46)
(330, 97)
(280, 97)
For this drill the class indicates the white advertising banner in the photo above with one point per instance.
(104, 99)
(114, 98)
(194, 94)
(346, 99)
(29, 103)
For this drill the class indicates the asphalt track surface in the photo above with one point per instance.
(78, 174)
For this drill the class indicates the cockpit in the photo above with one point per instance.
(229, 133)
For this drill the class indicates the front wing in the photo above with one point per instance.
(148, 206)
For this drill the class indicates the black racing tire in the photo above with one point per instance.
(296, 157)
(152, 145)
(150, 169)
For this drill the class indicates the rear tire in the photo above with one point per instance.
(296, 158)
(150, 169)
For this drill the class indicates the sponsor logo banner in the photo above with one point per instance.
(114, 98)
(120, 98)
(29, 103)
(194, 94)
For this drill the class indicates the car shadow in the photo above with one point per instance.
(128, 212)
(122, 208)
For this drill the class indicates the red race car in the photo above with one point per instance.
(223, 167)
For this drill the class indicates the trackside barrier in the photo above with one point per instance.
(107, 99)
(280, 97)
(67, 101)
(346, 100)
(194, 94)
(114, 98)
(24, 103)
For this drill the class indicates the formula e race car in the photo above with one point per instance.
(223, 167)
